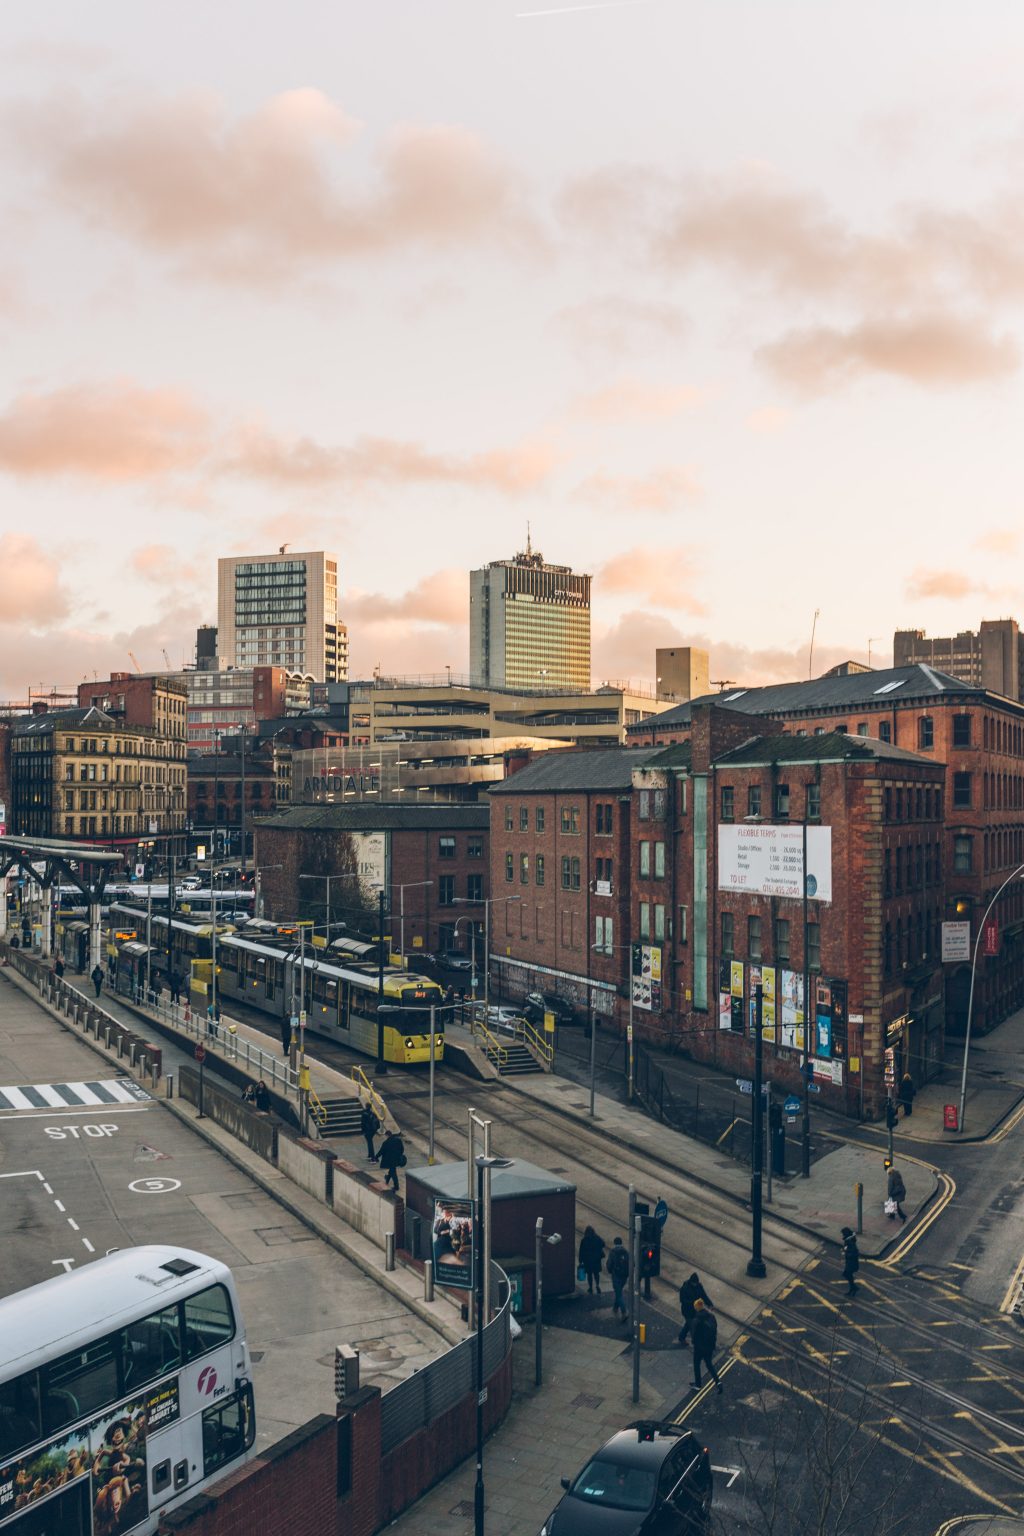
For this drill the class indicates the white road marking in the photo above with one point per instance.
(57, 1203)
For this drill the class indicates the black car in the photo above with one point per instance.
(537, 1004)
(652, 1479)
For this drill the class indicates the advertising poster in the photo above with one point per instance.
(792, 1019)
(823, 1019)
(840, 1037)
(452, 1243)
(371, 850)
(769, 860)
(754, 979)
(646, 977)
(725, 1010)
(768, 1002)
(119, 1497)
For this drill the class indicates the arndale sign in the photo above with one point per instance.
(341, 784)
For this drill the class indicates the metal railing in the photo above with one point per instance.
(534, 1040)
(373, 1098)
(316, 1108)
(492, 1046)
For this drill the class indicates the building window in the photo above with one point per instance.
(925, 732)
(604, 935)
(782, 940)
(884, 730)
(659, 922)
(961, 789)
(508, 818)
(510, 868)
(538, 869)
(814, 802)
(446, 890)
(684, 925)
(645, 920)
(645, 860)
(754, 938)
(575, 874)
(660, 804)
(645, 805)
(814, 946)
(962, 855)
(570, 818)
(961, 730)
(446, 847)
(475, 848)
(474, 887)
(659, 861)
(603, 871)
(754, 800)
(782, 802)
(727, 802)
(538, 818)
(862, 728)
(728, 939)
(524, 869)
(524, 818)
(604, 820)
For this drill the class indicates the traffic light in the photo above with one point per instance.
(650, 1248)
(891, 1115)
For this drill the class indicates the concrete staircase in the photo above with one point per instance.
(342, 1118)
(517, 1061)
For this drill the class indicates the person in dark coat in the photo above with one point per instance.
(58, 967)
(898, 1192)
(96, 976)
(908, 1088)
(369, 1125)
(262, 1097)
(690, 1292)
(705, 1337)
(617, 1265)
(851, 1261)
(391, 1157)
(591, 1258)
(286, 1034)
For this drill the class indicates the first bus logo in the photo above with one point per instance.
(207, 1380)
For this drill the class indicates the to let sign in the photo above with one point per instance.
(956, 941)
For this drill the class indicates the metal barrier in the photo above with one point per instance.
(373, 1098)
(421, 1399)
(492, 1046)
(534, 1040)
(316, 1108)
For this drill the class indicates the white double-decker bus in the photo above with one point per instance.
(124, 1389)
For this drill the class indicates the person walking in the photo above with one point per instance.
(286, 1034)
(58, 968)
(369, 1125)
(96, 976)
(908, 1089)
(851, 1261)
(591, 1258)
(705, 1337)
(392, 1157)
(897, 1193)
(690, 1292)
(617, 1265)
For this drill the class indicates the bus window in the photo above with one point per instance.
(79, 1384)
(152, 1347)
(228, 1430)
(19, 1414)
(208, 1321)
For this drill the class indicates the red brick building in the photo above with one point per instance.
(979, 736)
(437, 852)
(153, 701)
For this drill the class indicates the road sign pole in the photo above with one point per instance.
(755, 1264)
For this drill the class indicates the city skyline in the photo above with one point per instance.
(582, 268)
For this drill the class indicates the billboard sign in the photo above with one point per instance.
(452, 1244)
(956, 941)
(371, 860)
(991, 938)
(792, 1016)
(765, 860)
(646, 977)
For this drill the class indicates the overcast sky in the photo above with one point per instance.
(725, 299)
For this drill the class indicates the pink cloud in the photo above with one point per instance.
(612, 325)
(254, 198)
(666, 577)
(67, 655)
(944, 584)
(663, 490)
(117, 432)
(931, 351)
(999, 541)
(441, 598)
(30, 587)
(632, 400)
(163, 565)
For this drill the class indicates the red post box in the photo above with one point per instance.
(950, 1118)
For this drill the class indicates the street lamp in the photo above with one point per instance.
(484, 1164)
(540, 1240)
(605, 949)
(465, 901)
(970, 995)
(408, 886)
(755, 1264)
(472, 951)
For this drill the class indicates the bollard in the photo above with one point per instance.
(428, 1280)
(389, 1250)
(859, 1189)
(170, 1085)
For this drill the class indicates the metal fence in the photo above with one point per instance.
(421, 1399)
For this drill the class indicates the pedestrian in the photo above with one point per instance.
(851, 1261)
(392, 1157)
(591, 1257)
(58, 968)
(286, 1034)
(96, 975)
(705, 1337)
(262, 1097)
(897, 1193)
(249, 1094)
(690, 1292)
(174, 982)
(617, 1265)
(908, 1088)
(369, 1125)
(213, 1019)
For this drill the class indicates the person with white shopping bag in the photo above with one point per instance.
(897, 1193)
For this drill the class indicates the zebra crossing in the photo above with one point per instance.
(92, 1095)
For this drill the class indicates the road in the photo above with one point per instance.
(79, 1180)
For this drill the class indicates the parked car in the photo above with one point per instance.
(502, 1018)
(456, 962)
(537, 1004)
(652, 1479)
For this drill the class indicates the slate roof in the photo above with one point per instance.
(833, 746)
(581, 768)
(380, 817)
(678, 755)
(63, 720)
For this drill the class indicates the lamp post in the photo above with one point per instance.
(487, 904)
(755, 1264)
(970, 995)
(538, 1259)
(381, 1064)
(484, 1164)
(472, 955)
(605, 949)
(805, 1137)
(408, 886)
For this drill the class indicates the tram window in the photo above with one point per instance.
(19, 1414)
(331, 991)
(152, 1347)
(208, 1321)
(80, 1383)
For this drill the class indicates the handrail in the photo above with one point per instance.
(535, 1041)
(316, 1108)
(373, 1098)
(492, 1045)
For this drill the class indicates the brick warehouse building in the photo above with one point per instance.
(690, 932)
(979, 735)
(386, 845)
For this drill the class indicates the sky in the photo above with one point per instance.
(724, 300)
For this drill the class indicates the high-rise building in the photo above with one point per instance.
(991, 657)
(282, 611)
(529, 624)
